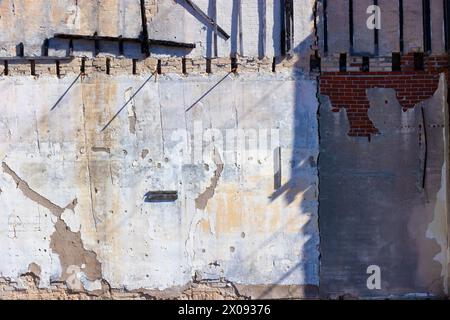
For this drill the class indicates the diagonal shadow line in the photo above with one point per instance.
(129, 100)
(65, 93)
(207, 92)
(283, 277)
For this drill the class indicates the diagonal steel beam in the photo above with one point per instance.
(207, 18)
(65, 93)
(209, 91)
(128, 101)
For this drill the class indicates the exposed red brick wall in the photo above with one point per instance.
(348, 89)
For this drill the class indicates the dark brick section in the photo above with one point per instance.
(348, 89)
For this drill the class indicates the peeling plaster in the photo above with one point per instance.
(438, 228)
(141, 245)
(401, 221)
(202, 200)
(66, 243)
(109, 238)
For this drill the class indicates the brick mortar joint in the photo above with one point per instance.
(348, 91)
(172, 65)
(331, 62)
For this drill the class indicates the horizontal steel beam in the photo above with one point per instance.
(154, 42)
(39, 58)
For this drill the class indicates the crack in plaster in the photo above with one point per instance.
(319, 105)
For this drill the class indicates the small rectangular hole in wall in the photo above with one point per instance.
(71, 47)
(58, 69)
(274, 64)
(96, 45)
(234, 64)
(343, 62)
(33, 67)
(277, 178)
(396, 61)
(419, 64)
(20, 50)
(134, 66)
(97, 48)
(45, 48)
(365, 64)
(158, 67)
(108, 66)
(289, 21)
(208, 65)
(83, 65)
(6, 68)
(282, 8)
(161, 196)
(183, 65)
(314, 63)
(121, 50)
(426, 7)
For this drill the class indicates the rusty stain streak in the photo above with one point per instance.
(202, 200)
(67, 244)
(88, 162)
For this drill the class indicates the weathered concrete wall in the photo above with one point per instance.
(261, 28)
(437, 27)
(73, 197)
(244, 223)
(389, 33)
(243, 160)
(363, 37)
(338, 26)
(384, 201)
(413, 26)
(33, 21)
